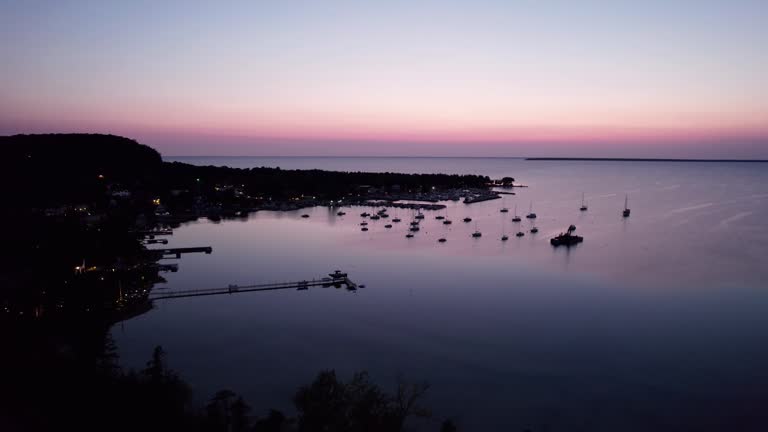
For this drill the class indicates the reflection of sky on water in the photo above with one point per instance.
(658, 318)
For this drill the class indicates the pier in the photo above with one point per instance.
(234, 289)
(176, 252)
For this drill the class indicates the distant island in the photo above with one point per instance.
(640, 159)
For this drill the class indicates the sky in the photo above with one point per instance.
(614, 78)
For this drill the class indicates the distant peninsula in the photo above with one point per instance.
(640, 159)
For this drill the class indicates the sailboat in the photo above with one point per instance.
(583, 204)
(504, 236)
(446, 221)
(625, 213)
(516, 218)
(477, 233)
(531, 214)
(504, 209)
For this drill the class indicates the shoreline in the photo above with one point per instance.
(643, 160)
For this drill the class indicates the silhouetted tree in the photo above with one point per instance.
(329, 404)
(274, 422)
(448, 426)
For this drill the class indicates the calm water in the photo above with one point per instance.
(656, 322)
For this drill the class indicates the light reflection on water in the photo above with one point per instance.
(654, 321)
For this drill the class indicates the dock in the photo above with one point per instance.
(176, 252)
(234, 289)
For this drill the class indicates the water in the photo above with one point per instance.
(655, 322)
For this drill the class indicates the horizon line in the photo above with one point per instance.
(527, 158)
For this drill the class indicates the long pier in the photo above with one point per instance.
(176, 252)
(234, 289)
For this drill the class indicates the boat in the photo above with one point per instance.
(439, 217)
(442, 240)
(409, 235)
(467, 219)
(625, 213)
(396, 220)
(516, 218)
(447, 222)
(384, 215)
(415, 228)
(363, 223)
(520, 234)
(420, 215)
(364, 214)
(364, 229)
(504, 236)
(567, 238)
(415, 223)
(305, 216)
(531, 214)
(388, 226)
(477, 233)
(375, 217)
(338, 274)
(504, 210)
(341, 213)
(583, 204)
(534, 230)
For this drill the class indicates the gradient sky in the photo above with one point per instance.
(612, 78)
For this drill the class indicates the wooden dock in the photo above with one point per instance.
(234, 289)
(176, 252)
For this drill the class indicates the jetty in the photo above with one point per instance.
(176, 252)
(234, 289)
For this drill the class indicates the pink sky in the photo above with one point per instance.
(441, 79)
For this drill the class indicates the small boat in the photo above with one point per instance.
(338, 274)
(415, 223)
(415, 228)
(361, 286)
(504, 210)
(364, 229)
(447, 222)
(384, 215)
(388, 226)
(305, 216)
(504, 237)
(477, 232)
(520, 234)
(364, 214)
(341, 213)
(382, 211)
(467, 219)
(534, 230)
(567, 238)
(531, 214)
(442, 240)
(363, 223)
(375, 217)
(420, 215)
(439, 217)
(396, 220)
(409, 235)
(516, 218)
(625, 213)
(583, 204)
